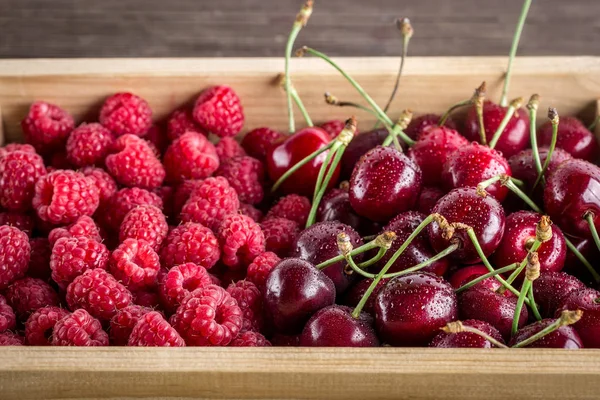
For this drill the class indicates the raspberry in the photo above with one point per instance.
(11, 339)
(280, 234)
(250, 339)
(190, 156)
(28, 294)
(23, 222)
(134, 163)
(333, 127)
(9, 148)
(105, 183)
(181, 281)
(79, 329)
(229, 148)
(156, 137)
(99, 293)
(259, 269)
(251, 211)
(39, 261)
(145, 223)
(249, 300)
(126, 200)
(84, 226)
(241, 240)
(62, 196)
(258, 142)
(208, 317)
(47, 126)
(153, 330)
(212, 200)
(180, 122)
(89, 144)
(167, 194)
(40, 324)
(126, 113)
(246, 175)
(190, 242)
(19, 171)
(218, 110)
(183, 192)
(293, 207)
(122, 323)
(71, 257)
(7, 316)
(135, 264)
(147, 297)
(15, 253)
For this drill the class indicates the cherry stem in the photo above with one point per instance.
(514, 105)
(583, 260)
(448, 250)
(566, 318)
(373, 260)
(510, 185)
(475, 281)
(532, 106)
(324, 167)
(534, 247)
(533, 305)
(300, 104)
(589, 217)
(456, 106)
(478, 99)
(339, 152)
(513, 50)
(531, 274)
(482, 186)
(553, 115)
(400, 126)
(458, 327)
(593, 124)
(383, 240)
(334, 101)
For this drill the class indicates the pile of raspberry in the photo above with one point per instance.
(132, 231)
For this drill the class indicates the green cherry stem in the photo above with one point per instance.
(401, 125)
(477, 97)
(532, 106)
(458, 327)
(532, 272)
(514, 106)
(583, 260)
(300, 105)
(448, 250)
(566, 318)
(589, 217)
(478, 102)
(593, 124)
(373, 260)
(554, 118)
(319, 195)
(534, 247)
(345, 248)
(383, 240)
(533, 305)
(454, 107)
(475, 281)
(334, 101)
(325, 166)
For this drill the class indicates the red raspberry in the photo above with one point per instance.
(241, 240)
(19, 171)
(62, 196)
(15, 253)
(147, 297)
(157, 137)
(145, 223)
(40, 324)
(181, 281)
(167, 194)
(259, 269)
(71, 257)
(28, 294)
(23, 222)
(210, 203)
(134, 163)
(180, 122)
(218, 110)
(208, 317)
(122, 323)
(251, 211)
(293, 207)
(105, 183)
(84, 226)
(135, 264)
(190, 242)
(258, 142)
(11, 339)
(47, 126)
(250, 339)
(183, 192)
(334, 127)
(89, 144)
(152, 330)
(126, 113)
(246, 175)
(79, 329)
(229, 148)
(39, 262)
(99, 293)
(191, 156)
(280, 234)
(9, 148)
(7, 316)
(126, 200)
(249, 300)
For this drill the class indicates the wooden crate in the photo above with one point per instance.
(429, 85)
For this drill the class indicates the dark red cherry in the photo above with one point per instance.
(356, 292)
(571, 191)
(515, 136)
(334, 326)
(285, 155)
(573, 266)
(550, 289)
(519, 235)
(427, 199)
(573, 137)
(418, 251)
(318, 243)
(467, 339)
(420, 123)
(588, 327)
(484, 214)
(432, 149)
(335, 206)
(466, 274)
(565, 337)
(294, 291)
(410, 309)
(358, 147)
(258, 142)
(472, 164)
(384, 183)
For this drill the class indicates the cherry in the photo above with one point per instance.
(294, 291)
(318, 243)
(565, 337)
(551, 288)
(484, 214)
(410, 309)
(427, 199)
(286, 154)
(358, 147)
(357, 291)
(573, 137)
(472, 164)
(335, 206)
(466, 274)
(515, 137)
(588, 327)
(258, 142)
(334, 326)
(574, 266)
(420, 123)
(467, 339)
(571, 192)
(384, 183)
(432, 149)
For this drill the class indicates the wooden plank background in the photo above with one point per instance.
(242, 28)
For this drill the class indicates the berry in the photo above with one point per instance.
(258, 142)
(212, 200)
(147, 297)
(145, 223)
(39, 261)
(280, 234)
(229, 148)
(246, 175)
(29, 294)
(588, 327)
(180, 122)
(126, 200)
(7, 316)
(241, 240)
(218, 109)
(89, 144)
(358, 147)
(126, 113)
(157, 138)
(40, 324)
(335, 206)
(179, 282)
(79, 329)
(9, 148)
(565, 337)
(467, 339)
(190, 242)
(356, 292)
(251, 211)
(47, 126)
(23, 222)
(84, 226)
(105, 183)
(573, 137)
(190, 156)
(73, 256)
(428, 198)
(152, 330)
(249, 300)
(551, 288)
(11, 339)
(250, 339)
(261, 266)
(293, 207)
(122, 323)
(19, 171)
(135, 264)
(15, 253)
(183, 192)
(333, 127)
(422, 122)
(134, 164)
